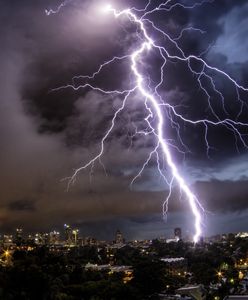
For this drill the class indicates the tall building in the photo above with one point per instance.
(68, 234)
(71, 235)
(178, 233)
(18, 238)
(19, 233)
(75, 236)
(119, 238)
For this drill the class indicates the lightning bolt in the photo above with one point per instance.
(154, 102)
(55, 11)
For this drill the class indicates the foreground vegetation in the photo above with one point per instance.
(42, 274)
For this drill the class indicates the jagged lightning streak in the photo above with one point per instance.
(147, 45)
(54, 11)
(154, 102)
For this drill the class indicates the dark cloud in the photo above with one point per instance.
(223, 196)
(22, 205)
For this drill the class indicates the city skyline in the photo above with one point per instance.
(113, 235)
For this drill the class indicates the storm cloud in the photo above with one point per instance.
(46, 134)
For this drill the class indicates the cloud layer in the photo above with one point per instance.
(45, 135)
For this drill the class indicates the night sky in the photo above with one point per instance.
(46, 135)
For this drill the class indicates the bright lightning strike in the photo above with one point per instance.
(107, 8)
(154, 104)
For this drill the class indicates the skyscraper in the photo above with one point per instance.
(68, 234)
(18, 238)
(19, 233)
(119, 238)
(75, 236)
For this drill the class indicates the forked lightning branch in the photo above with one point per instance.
(155, 104)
